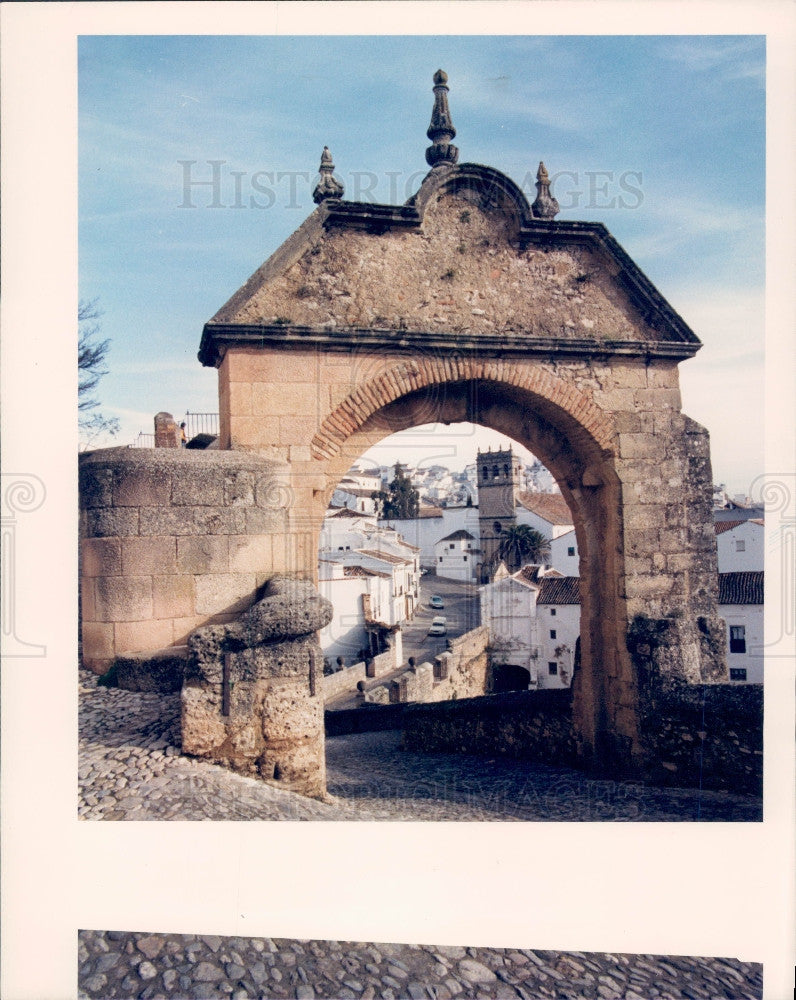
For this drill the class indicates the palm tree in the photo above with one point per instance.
(521, 544)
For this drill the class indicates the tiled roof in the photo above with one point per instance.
(741, 588)
(362, 571)
(455, 536)
(721, 526)
(551, 506)
(529, 573)
(384, 556)
(559, 590)
(347, 512)
(355, 491)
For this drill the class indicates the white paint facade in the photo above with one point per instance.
(744, 624)
(741, 547)
(564, 555)
(456, 556)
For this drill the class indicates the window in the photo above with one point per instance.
(495, 472)
(552, 611)
(486, 473)
(440, 558)
(552, 668)
(552, 633)
(453, 546)
(740, 545)
(571, 550)
(465, 558)
(737, 638)
(737, 673)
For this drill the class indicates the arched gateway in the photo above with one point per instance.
(469, 303)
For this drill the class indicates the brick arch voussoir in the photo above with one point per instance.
(411, 376)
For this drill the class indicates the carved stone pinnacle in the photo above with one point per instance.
(545, 206)
(441, 129)
(328, 186)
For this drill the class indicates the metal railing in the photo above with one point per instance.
(200, 423)
(144, 441)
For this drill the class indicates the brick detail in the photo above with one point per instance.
(405, 377)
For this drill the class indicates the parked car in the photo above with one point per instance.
(439, 627)
(436, 602)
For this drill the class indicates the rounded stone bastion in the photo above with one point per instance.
(172, 540)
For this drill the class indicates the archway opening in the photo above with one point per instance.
(565, 433)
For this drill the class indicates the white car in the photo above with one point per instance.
(439, 626)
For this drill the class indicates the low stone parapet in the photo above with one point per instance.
(347, 679)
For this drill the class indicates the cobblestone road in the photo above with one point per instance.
(131, 966)
(130, 767)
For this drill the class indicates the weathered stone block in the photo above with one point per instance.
(101, 557)
(148, 555)
(139, 486)
(224, 592)
(110, 522)
(98, 637)
(198, 486)
(142, 635)
(161, 671)
(202, 554)
(264, 522)
(123, 599)
(645, 446)
(96, 487)
(217, 520)
(239, 488)
(250, 554)
(173, 596)
(240, 398)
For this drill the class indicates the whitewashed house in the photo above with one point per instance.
(564, 555)
(558, 617)
(546, 512)
(741, 545)
(741, 607)
(431, 525)
(372, 578)
(456, 556)
(349, 494)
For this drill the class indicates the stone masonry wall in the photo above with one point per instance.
(171, 540)
(348, 678)
(708, 736)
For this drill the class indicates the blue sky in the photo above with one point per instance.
(660, 138)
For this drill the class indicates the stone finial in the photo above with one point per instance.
(441, 129)
(545, 206)
(328, 186)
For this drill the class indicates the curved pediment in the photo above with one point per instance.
(463, 264)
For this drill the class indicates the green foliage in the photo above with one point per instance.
(400, 499)
(521, 544)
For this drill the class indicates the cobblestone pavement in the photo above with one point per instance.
(157, 966)
(130, 767)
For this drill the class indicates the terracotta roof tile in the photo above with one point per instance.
(559, 590)
(741, 588)
(551, 506)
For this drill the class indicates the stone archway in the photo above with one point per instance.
(469, 303)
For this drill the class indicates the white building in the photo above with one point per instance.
(741, 607)
(432, 524)
(372, 578)
(355, 497)
(508, 610)
(546, 512)
(558, 617)
(564, 555)
(456, 556)
(741, 545)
